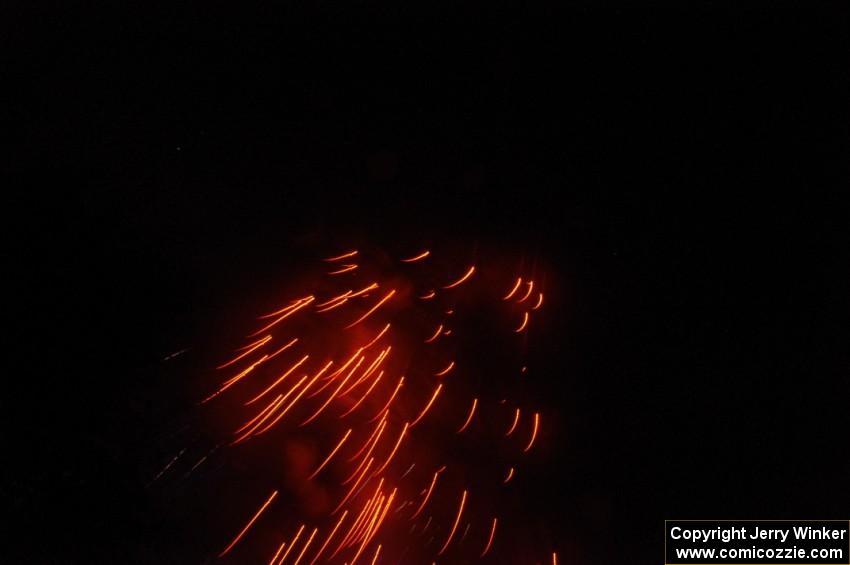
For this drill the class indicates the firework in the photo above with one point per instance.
(398, 441)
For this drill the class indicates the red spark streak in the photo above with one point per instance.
(462, 279)
(375, 307)
(533, 432)
(291, 544)
(341, 257)
(490, 539)
(539, 302)
(427, 406)
(251, 349)
(513, 290)
(306, 545)
(416, 257)
(454, 526)
(344, 269)
(515, 422)
(524, 323)
(427, 496)
(248, 525)
(278, 381)
(288, 313)
(332, 453)
(527, 292)
(330, 536)
(469, 418)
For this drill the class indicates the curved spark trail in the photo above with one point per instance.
(362, 391)
(248, 525)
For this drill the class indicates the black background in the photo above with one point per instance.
(683, 169)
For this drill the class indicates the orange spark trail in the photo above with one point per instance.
(250, 345)
(374, 530)
(364, 290)
(354, 530)
(527, 292)
(377, 337)
(377, 552)
(515, 422)
(354, 486)
(330, 536)
(392, 453)
(369, 370)
(298, 307)
(344, 269)
(368, 531)
(409, 469)
(280, 380)
(334, 304)
(372, 445)
(270, 412)
(332, 453)
(524, 323)
(282, 349)
(292, 403)
(233, 380)
(446, 370)
(469, 418)
(390, 401)
(427, 496)
(362, 398)
(454, 526)
(341, 257)
(427, 406)
(291, 544)
(463, 278)
(429, 295)
(436, 334)
(279, 549)
(510, 475)
(375, 307)
(416, 257)
(513, 290)
(490, 539)
(347, 363)
(304, 550)
(333, 394)
(257, 417)
(344, 296)
(383, 515)
(365, 520)
(253, 348)
(248, 525)
(533, 432)
(539, 301)
(274, 406)
(368, 441)
(286, 308)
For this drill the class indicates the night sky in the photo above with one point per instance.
(681, 171)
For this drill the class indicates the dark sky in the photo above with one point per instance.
(682, 169)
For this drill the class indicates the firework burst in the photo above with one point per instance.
(384, 390)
